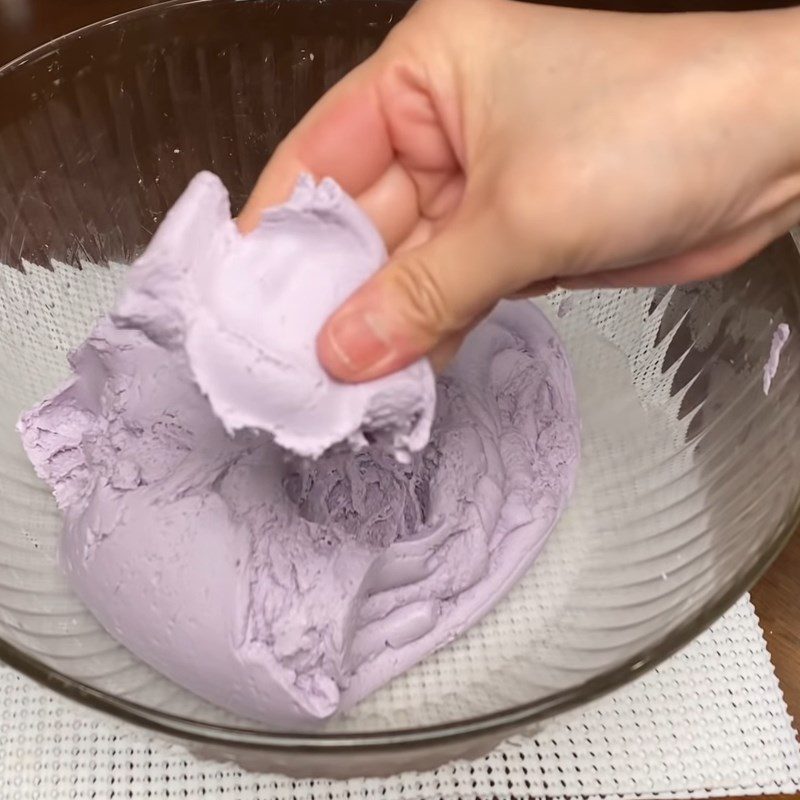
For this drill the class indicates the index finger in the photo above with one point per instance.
(344, 136)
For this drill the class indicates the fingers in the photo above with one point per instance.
(344, 136)
(391, 204)
(420, 300)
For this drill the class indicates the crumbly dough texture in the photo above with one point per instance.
(223, 518)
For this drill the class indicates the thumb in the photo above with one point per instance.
(420, 300)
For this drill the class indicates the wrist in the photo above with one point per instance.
(776, 37)
(749, 83)
(771, 40)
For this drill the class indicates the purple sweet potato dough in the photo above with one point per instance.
(246, 310)
(222, 517)
(779, 339)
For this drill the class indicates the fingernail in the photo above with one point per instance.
(359, 342)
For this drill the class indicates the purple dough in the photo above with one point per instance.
(246, 310)
(779, 339)
(281, 587)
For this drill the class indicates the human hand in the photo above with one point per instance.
(504, 148)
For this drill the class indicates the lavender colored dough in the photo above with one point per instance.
(246, 310)
(281, 587)
(779, 339)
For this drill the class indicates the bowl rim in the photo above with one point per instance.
(499, 722)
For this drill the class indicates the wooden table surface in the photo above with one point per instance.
(25, 24)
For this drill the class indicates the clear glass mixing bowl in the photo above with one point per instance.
(690, 481)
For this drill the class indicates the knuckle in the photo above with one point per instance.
(426, 302)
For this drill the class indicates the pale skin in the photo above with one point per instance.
(502, 149)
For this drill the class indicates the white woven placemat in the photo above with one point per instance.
(709, 722)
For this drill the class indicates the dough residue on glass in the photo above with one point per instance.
(779, 339)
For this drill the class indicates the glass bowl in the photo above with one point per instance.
(690, 480)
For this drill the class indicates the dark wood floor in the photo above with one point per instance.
(25, 24)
